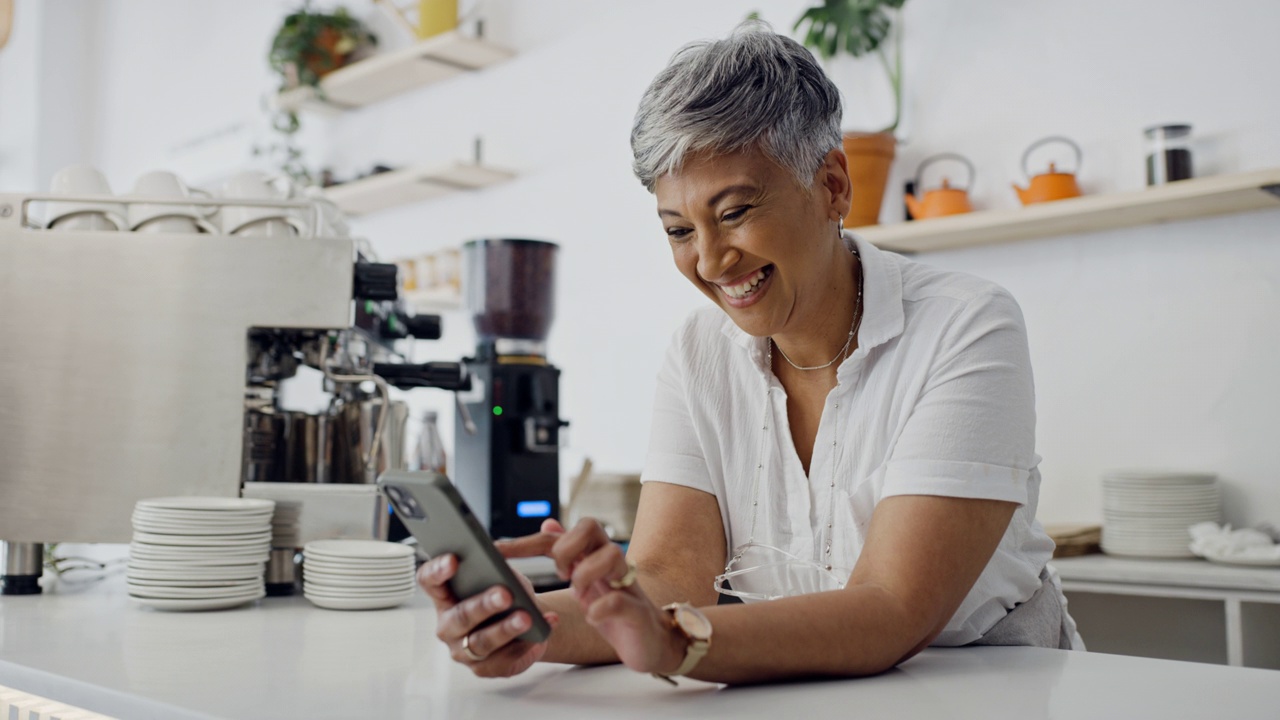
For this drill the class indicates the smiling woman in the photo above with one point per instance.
(869, 489)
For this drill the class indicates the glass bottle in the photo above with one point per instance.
(1168, 153)
(431, 454)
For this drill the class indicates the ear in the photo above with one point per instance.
(833, 181)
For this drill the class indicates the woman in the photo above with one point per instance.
(846, 434)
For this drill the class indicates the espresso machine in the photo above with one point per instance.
(508, 425)
(148, 364)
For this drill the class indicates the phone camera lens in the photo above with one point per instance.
(404, 503)
(394, 493)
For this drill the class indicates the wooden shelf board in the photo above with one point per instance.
(382, 76)
(410, 185)
(1183, 200)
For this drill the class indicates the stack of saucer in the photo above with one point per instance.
(285, 524)
(357, 574)
(1149, 513)
(199, 553)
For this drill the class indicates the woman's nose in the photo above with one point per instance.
(716, 257)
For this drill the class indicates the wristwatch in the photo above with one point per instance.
(697, 629)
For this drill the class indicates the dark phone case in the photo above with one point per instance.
(450, 527)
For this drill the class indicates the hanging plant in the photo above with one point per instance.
(308, 46)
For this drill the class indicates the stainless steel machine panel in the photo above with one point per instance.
(122, 374)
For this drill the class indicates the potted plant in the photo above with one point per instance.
(860, 28)
(308, 46)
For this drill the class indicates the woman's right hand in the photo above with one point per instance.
(501, 652)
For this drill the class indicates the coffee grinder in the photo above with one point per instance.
(507, 430)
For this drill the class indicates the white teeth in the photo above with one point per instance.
(744, 289)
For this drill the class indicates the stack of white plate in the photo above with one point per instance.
(199, 553)
(357, 574)
(1147, 513)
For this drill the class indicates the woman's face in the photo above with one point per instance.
(751, 239)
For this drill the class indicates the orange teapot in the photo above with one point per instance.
(944, 200)
(1052, 185)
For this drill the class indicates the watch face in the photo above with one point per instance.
(693, 622)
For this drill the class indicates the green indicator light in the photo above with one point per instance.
(368, 306)
(497, 409)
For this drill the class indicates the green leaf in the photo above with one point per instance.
(856, 27)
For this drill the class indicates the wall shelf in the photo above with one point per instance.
(382, 76)
(1183, 200)
(410, 185)
(432, 301)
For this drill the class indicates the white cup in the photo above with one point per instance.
(169, 224)
(149, 217)
(87, 220)
(74, 214)
(254, 185)
(267, 227)
(332, 223)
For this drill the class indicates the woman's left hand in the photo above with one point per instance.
(639, 631)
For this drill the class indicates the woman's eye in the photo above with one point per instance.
(676, 233)
(736, 213)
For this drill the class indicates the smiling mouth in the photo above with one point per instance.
(747, 288)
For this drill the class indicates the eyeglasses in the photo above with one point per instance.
(763, 572)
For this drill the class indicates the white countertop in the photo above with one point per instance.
(283, 658)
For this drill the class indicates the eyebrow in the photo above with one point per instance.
(715, 199)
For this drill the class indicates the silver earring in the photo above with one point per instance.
(840, 226)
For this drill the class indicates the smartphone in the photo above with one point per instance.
(436, 515)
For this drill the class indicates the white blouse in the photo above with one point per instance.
(937, 400)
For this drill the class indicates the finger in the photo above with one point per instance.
(605, 564)
(516, 657)
(583, 539)
(552, 525)
(490, 640)
(462, 619)
(533, 653)
(434, 577)
(533, 545)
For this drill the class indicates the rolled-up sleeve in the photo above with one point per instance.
(971, 432)
(675, 454)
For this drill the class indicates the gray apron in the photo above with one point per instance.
(1039, 622)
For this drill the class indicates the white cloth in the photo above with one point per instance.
(937, 400)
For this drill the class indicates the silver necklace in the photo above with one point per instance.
(853, 329)
(825, 544)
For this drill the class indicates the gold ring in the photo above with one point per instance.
(627, 580)
(471, 654)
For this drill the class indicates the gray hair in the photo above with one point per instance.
(755, 88)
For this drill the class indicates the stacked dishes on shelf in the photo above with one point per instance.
(357, 574)
(1148, 513)
(199, 553)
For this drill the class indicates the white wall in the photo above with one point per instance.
(19, 107)
(1151, 346)
(47, 88)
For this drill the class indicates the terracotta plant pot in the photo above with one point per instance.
(870, 157)
(324, 58)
